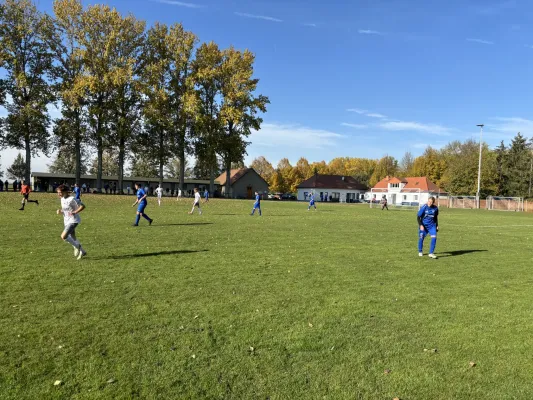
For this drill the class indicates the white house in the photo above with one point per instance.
(335, 188)
(404, 191)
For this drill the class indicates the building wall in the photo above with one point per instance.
(338, 195)
(400, 198)
(252, 180)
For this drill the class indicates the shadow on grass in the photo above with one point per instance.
(154, 254)
(187, 224)
(459, 253)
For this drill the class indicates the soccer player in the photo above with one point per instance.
(428, 222)
(77, 191)
(196, 203)
(159, 192)
(206, 196)
(384, 203)
(70, 208)
(179, 195)
(257, 204)
(311, 201)
(25, 192)
(142, 202)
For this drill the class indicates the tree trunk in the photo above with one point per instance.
(121, 157)
(181, 157)
(228, 180)
(100, 151)
(212, 180)
(77, 145)
(161, 166)
(27, 173)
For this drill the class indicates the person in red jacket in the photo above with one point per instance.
(25, 192)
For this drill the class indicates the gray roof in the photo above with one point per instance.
(115, 178)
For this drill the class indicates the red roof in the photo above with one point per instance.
(411, 184)
(332, 182)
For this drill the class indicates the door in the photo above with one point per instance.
(249, 192)
(393, 199)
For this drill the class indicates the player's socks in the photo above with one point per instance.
(420, 244)
(432, 246)
(72, 241)
(137, 218)
(146, 217)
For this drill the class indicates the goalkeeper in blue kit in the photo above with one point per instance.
(428, 223)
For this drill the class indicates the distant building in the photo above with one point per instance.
(336, 188)
(44, 181)
(244, 183)
(405, 191)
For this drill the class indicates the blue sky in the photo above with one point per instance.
(373, 77)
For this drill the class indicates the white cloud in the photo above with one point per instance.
(376, 115)
(356, 126)
(369, 32)
(282, 136)
(366, 113)
(310, 25)
(263, 17)
(179, 3)
(416, 127)
(511, 126)
(481, 41)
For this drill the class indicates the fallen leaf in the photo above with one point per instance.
(58, 383)
(387, 371)
(310, 325)
(193, 356)
(111, 381)
(472, 364)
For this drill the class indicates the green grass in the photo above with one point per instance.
(328, 301)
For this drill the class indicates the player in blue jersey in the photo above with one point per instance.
(77, 192)
(206, 196)
(257, 204)
(428, 223)
(311, 201)
(142, 202)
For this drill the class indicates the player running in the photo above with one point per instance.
(384, 203)
(196, 203)
(142, 202)
(428, 222)
(179, 195)
(206, 196)
(77, 192)
(311, 201)
(159, 193)
(25, 192)
(257, 204)
(71, 208)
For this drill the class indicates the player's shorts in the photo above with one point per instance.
(196, 204)
(257, 205)
(26, 195)
(311, 203)
(141, 207)
(430, 230)
(70, 229)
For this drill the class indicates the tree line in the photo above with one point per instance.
(151, 96)
(506, 170)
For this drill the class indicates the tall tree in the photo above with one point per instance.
(263, 167)
(18, 170)
(66, 162)
(518, 167)
(98, 39)
(501, 157)
(62, 34)
(209, 126)
(406, 164)
(430, 164)
(144, 166)
(26, 59)
(107, 165)
(174, 169)
(240, 107)
(125, 116)
(386, 166)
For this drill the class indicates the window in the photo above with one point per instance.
(416, 197)
(394, 185)
(404, 197)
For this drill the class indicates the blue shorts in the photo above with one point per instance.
(311, 203)
(430, 230)
(141, 207)
(257, 205)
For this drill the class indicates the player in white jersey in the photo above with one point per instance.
(196, 203)
(70, 208)
(179, 195)
(159, 192)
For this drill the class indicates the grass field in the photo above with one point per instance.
(293, 305)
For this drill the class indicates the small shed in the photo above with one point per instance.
(335, 188)
(244, 183)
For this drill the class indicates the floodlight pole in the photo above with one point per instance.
(479, 166)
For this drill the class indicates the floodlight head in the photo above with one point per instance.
(481, 125)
